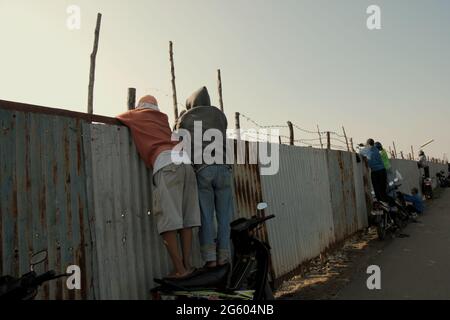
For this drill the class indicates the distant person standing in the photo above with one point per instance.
(422, 163)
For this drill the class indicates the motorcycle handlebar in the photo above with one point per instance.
(47, 276)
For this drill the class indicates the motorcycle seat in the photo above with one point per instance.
(203, 278)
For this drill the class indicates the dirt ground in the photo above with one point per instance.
(330, 272)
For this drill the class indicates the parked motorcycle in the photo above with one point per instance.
(385, 219)
(427, 187)
(26, 287)
(246, 279)
(403, 216)
(443, 181)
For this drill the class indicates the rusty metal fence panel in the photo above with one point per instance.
(343, 193)
(247, 186)
(319, 197)
(362, 190)
(43, 199)
(299, 196)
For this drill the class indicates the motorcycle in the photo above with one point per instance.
(444, 182)
(26, 287)
(387, 218)
(427, 187)
(245, 279)
(384, 219)
(403, 216)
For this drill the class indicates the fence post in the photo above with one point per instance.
(238, 125)
(291, 133)
(219, 86)
(352, 145)
(328, 140)
(131, 102)
(174, 87)
(395, 149)
(412, 153)
(346, 139)
(401, 154)
(320, 137)
(90, 105)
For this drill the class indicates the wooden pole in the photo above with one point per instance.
(346, 139)
(174, 87)
(328, 140)
(395, 149)
(320, 137)
(401, 154)
(131, 101)
(291, 133)
(238, 125)
(352, 145)
(279, 139)
(412, 153)
(219, 86)
(90, 105)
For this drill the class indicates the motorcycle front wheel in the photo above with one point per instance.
(381, 228)
(268, 294)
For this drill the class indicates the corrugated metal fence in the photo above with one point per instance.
(79, 190)
(318, 197)
(44, 202)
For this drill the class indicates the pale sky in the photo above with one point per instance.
(310, 62)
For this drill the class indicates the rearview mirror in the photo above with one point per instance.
(38, 258)
(261, 206)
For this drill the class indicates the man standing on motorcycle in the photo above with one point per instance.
(175, 199)
(378, 173)
(214, 177)
(385, 158)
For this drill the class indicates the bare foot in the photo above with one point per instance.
(179, 275)
(211, 264)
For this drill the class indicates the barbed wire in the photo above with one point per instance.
(339, 140)
(320, 133)
(337, 134)
(305, 130)
(165, 94)
(262, 126)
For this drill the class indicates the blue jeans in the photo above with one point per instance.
(215, 194)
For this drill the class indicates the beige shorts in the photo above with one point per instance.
(175, 198)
